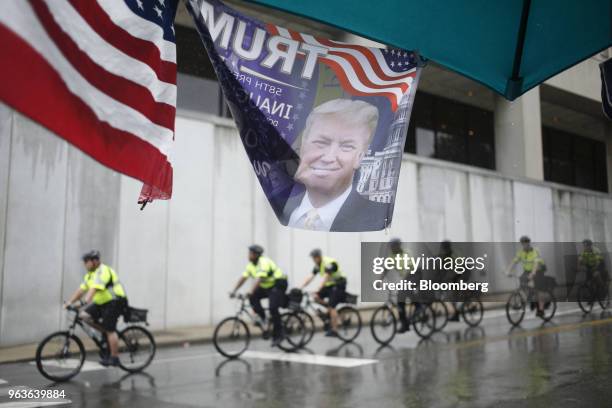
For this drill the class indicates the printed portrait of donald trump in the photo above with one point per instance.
(335, 139)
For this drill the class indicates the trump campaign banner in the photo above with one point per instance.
(323, 122)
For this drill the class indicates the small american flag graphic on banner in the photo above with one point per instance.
(362, 70)
(101, 74)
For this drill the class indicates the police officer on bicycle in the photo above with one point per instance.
(105, 301)
(591, 261)
(447, 251)
(395, 248)
(271, 283)
(533, 270)
(333, 287)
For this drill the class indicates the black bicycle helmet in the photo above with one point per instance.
(587, 242)
(91, 255)
(446, 245)
(395, 244)
(524, 239)
(256, 249)
(315, 252)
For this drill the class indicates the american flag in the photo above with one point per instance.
(99, 73)
(363, 70)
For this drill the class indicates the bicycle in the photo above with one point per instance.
(61, 355)
(383, 324)
(472, 311)
(442, 315)
(232, 335)
(593, 290)
(516, 306)
(349, 318)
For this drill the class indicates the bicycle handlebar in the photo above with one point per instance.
(72, 308)
(239, 296)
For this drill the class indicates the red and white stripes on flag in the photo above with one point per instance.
(99, 75)
(361, 70)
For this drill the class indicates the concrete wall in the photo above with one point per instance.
(582, 79)
(180, 258)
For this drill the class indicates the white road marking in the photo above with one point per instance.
(564, 312)
(3, 381)
(173, 359)
(72, 363)
(94, 366)
(309, 359)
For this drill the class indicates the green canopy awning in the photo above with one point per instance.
(508, 45)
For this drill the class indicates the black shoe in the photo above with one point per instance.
(540, 313)
(276, 341)
(331, 333)
(454, 318)
(110, 361)
(326, 326)
(532, 305)
(403, 328)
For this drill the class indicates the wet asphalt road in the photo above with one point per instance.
(567, 363)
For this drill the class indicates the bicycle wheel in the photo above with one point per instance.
(424, 320)
(383, 325)
(294, 331)
(441, 311)
(550, 305)
(604, 298)
(585, 299)
(60, 356)
(231, 337)
(136, 348)
(309, 327)
(349, 323)
(472, 312)
(515, 308)
(602, 289)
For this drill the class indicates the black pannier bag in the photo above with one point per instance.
(350, 298)
(295, 297)
(135, 315)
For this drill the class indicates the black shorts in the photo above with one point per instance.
(335, 293)
(539, 280)
(600, 269)
(107, 314)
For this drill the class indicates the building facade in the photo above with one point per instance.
(475, 168)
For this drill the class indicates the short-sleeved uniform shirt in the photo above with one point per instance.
(529, 258)
(591, 259)
(329, 266)
(106, 281)
(265, 270)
